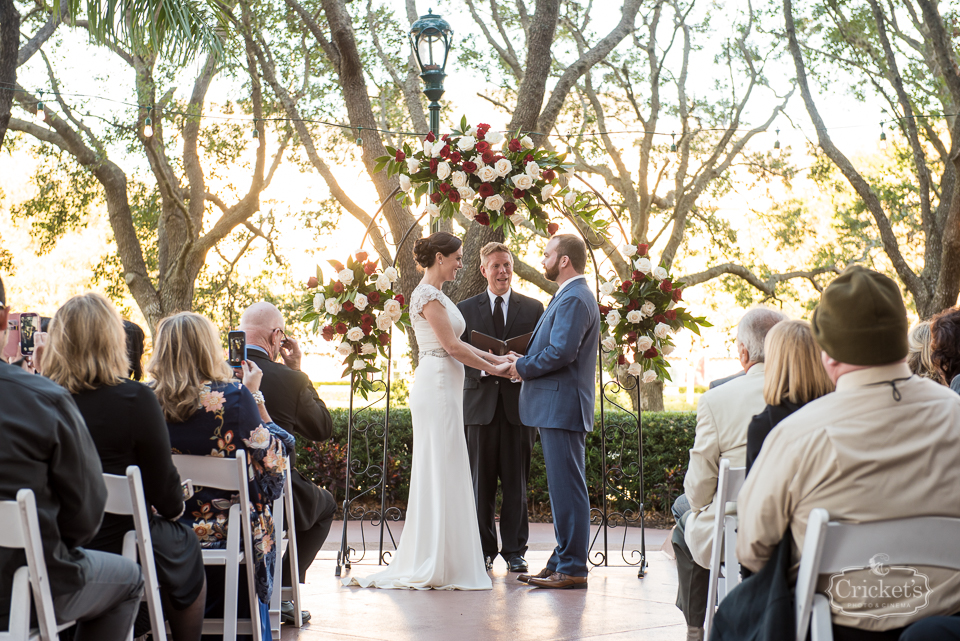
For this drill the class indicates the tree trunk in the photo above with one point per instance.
(9, 48)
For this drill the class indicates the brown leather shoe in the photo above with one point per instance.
(542, 574)
(560, 581)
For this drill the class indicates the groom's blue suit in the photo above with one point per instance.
(558, 395)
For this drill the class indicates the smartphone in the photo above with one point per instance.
(29, 325)
(236, 348)
(11, 351)
(187, 487)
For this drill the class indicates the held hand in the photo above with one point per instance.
(290, 353)
(514, 357)
(503, 369)
(251, 375)
(497, 360)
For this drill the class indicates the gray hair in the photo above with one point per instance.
(753, 328)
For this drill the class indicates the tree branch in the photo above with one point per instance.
(768, 286)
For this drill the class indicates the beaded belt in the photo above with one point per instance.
(439, 353)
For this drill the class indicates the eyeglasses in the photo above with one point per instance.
(283, 336)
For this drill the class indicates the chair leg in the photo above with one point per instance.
(230, 594)
(821, 627)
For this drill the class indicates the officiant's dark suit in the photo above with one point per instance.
(499, 445)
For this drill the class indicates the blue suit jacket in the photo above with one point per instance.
(560, 369)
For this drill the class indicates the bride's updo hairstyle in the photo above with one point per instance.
(425, 249)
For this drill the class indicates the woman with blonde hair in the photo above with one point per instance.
(86, 353)
(793, 376)
(208, 413)
(920, 354)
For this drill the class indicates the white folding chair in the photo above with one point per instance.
(228, 474)
(125, 496)
(286, 541)
(21, 530)
(724, 540)
(830, 547)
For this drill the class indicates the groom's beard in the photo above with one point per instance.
(552, 272)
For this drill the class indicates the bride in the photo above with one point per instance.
(440, 543)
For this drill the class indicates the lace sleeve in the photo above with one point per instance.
(422, 295)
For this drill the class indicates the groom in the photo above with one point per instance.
(558, 394)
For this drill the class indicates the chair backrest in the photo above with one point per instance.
(830, 546)
(728, 487)
(213, 471)
(21, 530)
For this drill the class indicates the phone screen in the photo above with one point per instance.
(236, 348)
(29, 325)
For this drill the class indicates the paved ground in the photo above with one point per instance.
(617, 605)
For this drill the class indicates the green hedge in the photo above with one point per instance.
(667, 439)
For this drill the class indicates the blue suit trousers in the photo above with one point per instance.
(564, 453)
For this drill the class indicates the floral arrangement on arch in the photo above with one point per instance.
(358, 308)
(480, 173)
(643, 316)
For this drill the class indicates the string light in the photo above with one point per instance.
(256, 134)
(673, 143)
(41, 114)
(883, 138)
(147, 127)
(776, 145)
(359, 136)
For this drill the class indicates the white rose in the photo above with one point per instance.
(361, 302)
(383, 282)
(644, 343)
(628, 250)
(613, 318)
(367, 348)
(391, 273)
(516, 219)
(459, 179)
(427, 147)
(345, 276)
(662, 330)
(649, 376)
(659, 273)
(532, 169)
(318, 303)
(471, 131)
(609, 343)
(526, 142)
(494, 137)
(413, 165)
(635, 369)
(547, 192)
(443, 170)
(644, 266)
(634, 316)
(359, 365)
(494, 202)
(354, 334)
(487, 174)
(405, 184)
(436, 148)
(503, 166)
(466, 143)
(433, 209)
(522, 181)
(344, 348)
(384, 322)
(666, 350)
(466, 193)
(333, 307)
(468, 210)
(392, 307)
(569, 199)
(607, 288)
(648, 308)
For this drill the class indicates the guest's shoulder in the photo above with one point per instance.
(41, 385)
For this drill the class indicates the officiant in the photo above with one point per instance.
(500, 446)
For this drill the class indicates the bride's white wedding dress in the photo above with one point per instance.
(440, 543)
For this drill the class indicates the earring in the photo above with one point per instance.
(441, 261)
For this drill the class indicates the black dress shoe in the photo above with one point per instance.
(287, 613)
(488, 561)
(517, 564)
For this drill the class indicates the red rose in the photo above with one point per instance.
(485, 190)
(489, 157)
(436, 197)
(518, 194)
(366, 329)
(677, 295)
(373, 298)
(337, 265)
(338, 287)
(445, 152)
(400, 157)
(666, 286)
(626, 285)
(637, 276)
(341, 328)
(312, 282)
(549, 175)
(552, 228)
(399, 298)
(430, 137)
(361, 256)
(509, 208)
(651, 353)
(349, 306)
(366, 319)
(633, 305)
(328, 333)
(631, 337)
(671, 314)
(370, 267)
(434, 163)
(659, 318)
(621, 359)
(444, 137)
(604, 310)
(642, 249)
(455, 157)
(454, 196)
(469, 167)
(528, 158)
(483, 146)
(515, 145)
(444, 187)
(483, 128)
(384, 338)
(482, 218)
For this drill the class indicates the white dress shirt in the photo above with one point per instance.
(568, 281)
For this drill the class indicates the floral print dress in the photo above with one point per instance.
(227, 420)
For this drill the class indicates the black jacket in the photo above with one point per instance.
(762, 424)
(47, 448)
(480, 393)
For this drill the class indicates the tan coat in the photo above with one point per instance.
(862, 456)
(723, 415)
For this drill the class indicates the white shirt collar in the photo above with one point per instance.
(570, 280)
(493, 301)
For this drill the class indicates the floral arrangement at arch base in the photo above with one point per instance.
(357, 309)
(642, 315)
(485, 176)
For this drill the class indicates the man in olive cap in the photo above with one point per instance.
(885, 445)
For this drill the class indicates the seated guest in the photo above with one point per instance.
(945, 347)
(919, 352)
(884, 445)
(293, 402)
(134, 337)
(209, 414)
(47, 448)
(86, 354)
(723, 415)
(793, 377)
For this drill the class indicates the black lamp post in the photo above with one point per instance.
(430, 37)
